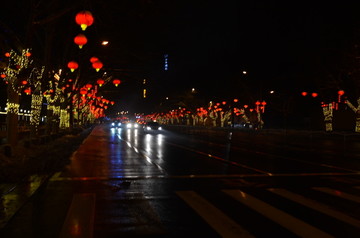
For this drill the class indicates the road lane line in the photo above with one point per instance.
(79, 220)
(221, 223)
(284, 219)
(316, 206)
(338, 193)
(220, 159)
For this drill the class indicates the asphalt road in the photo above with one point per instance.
(192, 182)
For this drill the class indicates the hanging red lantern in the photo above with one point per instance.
(304, 94)
(314, 95)
(112, 102)
(27, 91)
(97, 65)
(88, 86)
(341, 92)
(7, 54)
(24, 82)
(116, 82)
(80, 40)
(27, 54)
(94, 59)
(84, 19)
(100, 82)
(72, 65)
(83, 91)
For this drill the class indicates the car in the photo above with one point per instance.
(115, 124)
(152, 126)
(131, 125)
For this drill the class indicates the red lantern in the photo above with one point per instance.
(27, 54)
(304, 93)
(7, 54)
(80, 40)
(236, 100)
(83, 91)
(112, 102)
(257, 103)
(314, 95)
(24, 82)
(100, 82)
(27, 91)
(88, 86)
(340, 92)
(84, 19)
(3, 76)
(72, 65)
(116, 82)
(93, 59)
(97, 65)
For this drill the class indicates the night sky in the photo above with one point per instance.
(286, 47)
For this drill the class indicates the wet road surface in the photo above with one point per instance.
(126, 183)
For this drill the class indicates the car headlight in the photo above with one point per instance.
(113, 124)
(119, 124)
(148, 128)
(136, 125)
(129, 125)
(160, 128)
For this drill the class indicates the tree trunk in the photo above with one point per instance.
(12, 116)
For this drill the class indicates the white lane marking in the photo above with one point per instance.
(79, 220)
(315, 206)
(338, 193)
(291, 223)
(221, 223)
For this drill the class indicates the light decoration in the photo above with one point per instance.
(328, 116)
(314, 95)
(340, 93)
(88, 86)
(100, 82)
(72, 65)
(97, 65)
(357, 113)
(304, 93)
(94, 59)
(36, 102)
(12, 108)
(27, 91)
(116, 82)
(80, 40)
(84, 19)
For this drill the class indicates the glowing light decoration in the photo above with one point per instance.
(314, 95)
(27, 91)
(88, 86)
(80, 40)
(72, 65)
(304, 94)
(94, 59)
(12, 108)
(84, 19)
(100, 82)
(97, 65)
(340, 93)
(116, 82)
(83, 91)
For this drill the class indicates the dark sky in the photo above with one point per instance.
(209, 43)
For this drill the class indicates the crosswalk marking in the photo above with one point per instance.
(316, 206)
(224, 225)
(79, 220)
(338, 193)
(289, 222)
